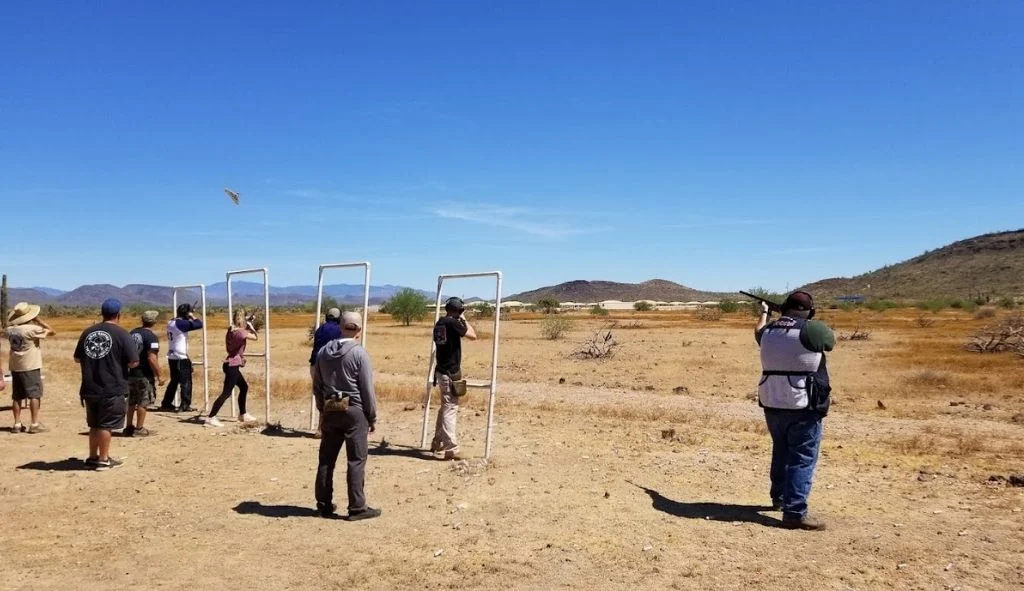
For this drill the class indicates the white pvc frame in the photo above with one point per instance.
(319, 308)
(491, 385)
(266, 330)
(206, 366)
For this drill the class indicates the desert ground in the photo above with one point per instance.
(644, 471)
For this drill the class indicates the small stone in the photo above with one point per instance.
(949, 567)
(902, 566)
(438, 553)
(648, 548)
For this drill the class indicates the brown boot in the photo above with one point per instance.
(805, 522)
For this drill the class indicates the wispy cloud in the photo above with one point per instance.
(521, 219)
(720, 222)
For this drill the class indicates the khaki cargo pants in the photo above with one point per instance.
(445, 438)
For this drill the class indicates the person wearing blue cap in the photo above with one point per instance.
(105, 353)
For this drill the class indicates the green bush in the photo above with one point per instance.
(967, 305)
(548, 305)
(484, 310)
(936, 305)
(778, 298)
(643, 306)
(555, 327)
(598, 311)
(1007, 303)
(407, 306)
(728, 306)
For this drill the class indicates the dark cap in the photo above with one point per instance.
(111, 307)
(455, 304)
(800, 301)
(184, 310)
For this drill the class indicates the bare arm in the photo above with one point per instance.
(763, 322)
(470, 333)
(154, 364)
(49, 330)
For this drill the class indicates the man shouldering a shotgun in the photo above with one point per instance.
(794, 391)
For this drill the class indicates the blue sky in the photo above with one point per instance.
(718, 144)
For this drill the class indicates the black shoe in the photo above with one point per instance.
(107, 464)
(804, 522)
(128, 431)
(361, 514)
(187, 409)
(777, 505)
(166, 409)
(92, 462)
(327, 510)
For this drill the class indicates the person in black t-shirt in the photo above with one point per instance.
(448, 334)
(142, 380)
(105, 352)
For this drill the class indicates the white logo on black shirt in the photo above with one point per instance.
(98, 344)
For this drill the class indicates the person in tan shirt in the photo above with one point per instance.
(25, 332)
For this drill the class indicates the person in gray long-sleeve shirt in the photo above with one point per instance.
(343, 387)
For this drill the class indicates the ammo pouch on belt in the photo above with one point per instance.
(818, 395)
(458, 384)
(336, 403)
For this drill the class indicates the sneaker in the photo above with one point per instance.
(128, 431)
(247, 418)
(38, 428)
(92, 462)
(166, 409)
(107, 464)
(142, 432)
(804, 522)
(452, 454)
(327, 510)
(187, 409)
(18, 428)
(213, 422)
(364, 513)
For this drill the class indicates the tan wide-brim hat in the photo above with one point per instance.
(22, 313)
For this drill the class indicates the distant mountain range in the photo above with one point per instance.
(216, 294)
(987, 265)
(598, 291)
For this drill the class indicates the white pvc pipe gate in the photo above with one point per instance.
(319, 306)
(205, 363)
(266, 331)
(491, 385)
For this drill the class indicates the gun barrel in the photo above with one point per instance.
(772, 306)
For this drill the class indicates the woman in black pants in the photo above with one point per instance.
(240, 333)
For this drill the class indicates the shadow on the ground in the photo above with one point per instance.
(710, 511)
(406, 451)
(68, 465)
(196, 420)
(286, 432)
(276, 511)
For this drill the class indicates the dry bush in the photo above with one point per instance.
(553, 328)
(930, 377)
(1003, 336)
(709, 314)
(632, 325)
(858, 334)
(924, 321)
(601, 345)
(985, 313)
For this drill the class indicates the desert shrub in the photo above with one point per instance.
(881, 305)
(600, 345)
(548, 305)
(728, 306)
(930, 377)
(598, 311)
(858, 334)
(846, 306)
(709, 314)
(555, 328)
(643, 306)
(924, 321)
(407, 306)
(1007, 303)
(985, 313)
(1003, 336)
(483, 310)
(936, 305)
(967, 305)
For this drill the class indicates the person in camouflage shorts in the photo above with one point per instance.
(141, 379)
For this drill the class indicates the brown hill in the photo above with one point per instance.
(987, 265)
(598, 291)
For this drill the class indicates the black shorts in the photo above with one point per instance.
(106, 413)
(27, 385)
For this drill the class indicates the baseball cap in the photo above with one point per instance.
(150, 316)
(799, 300)
(454, 304)
(334, 314)
(111, 307)
(351, 321)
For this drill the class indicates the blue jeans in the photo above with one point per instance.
(796, 440)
